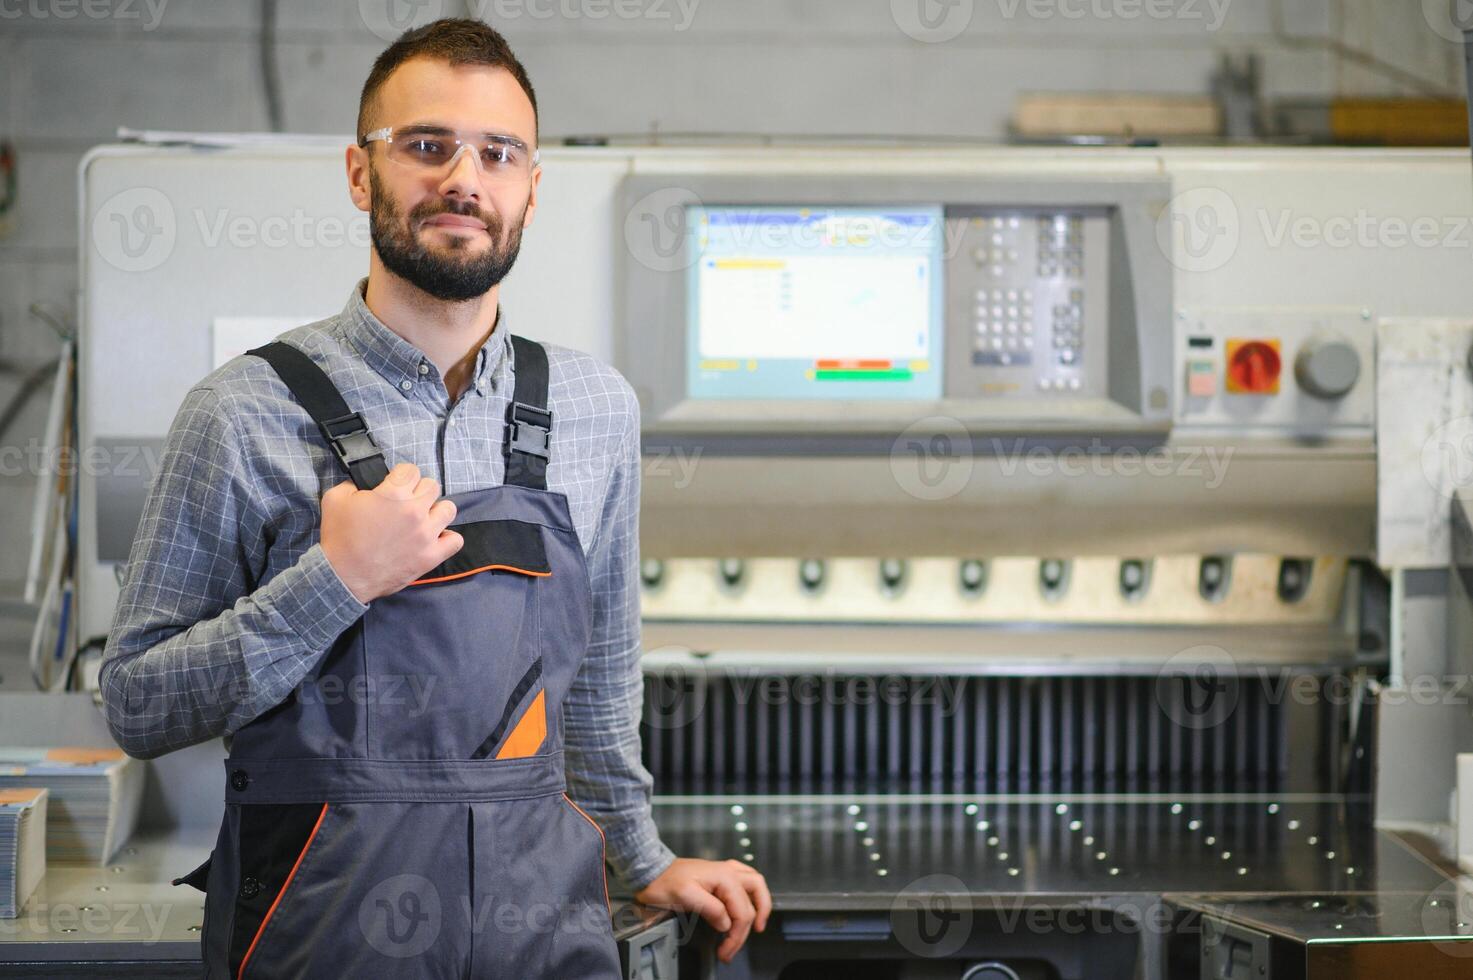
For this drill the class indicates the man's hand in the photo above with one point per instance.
(380, 540)
(730, 895)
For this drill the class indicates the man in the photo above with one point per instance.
(407, 678)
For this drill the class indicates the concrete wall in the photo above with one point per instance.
(72, 71)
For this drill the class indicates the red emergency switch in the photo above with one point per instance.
(1253, 367)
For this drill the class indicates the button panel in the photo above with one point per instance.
(1240, 366)
(1201, 378)
(1004, 327)
(1026, 304)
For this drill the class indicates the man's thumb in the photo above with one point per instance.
(450, 542)
(340, 490)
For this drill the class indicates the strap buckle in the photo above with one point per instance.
(530, 430)
(350, 439)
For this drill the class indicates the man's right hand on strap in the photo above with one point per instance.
(380, 540)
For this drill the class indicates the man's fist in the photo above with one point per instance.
(380, 540)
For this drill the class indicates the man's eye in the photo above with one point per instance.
(500, 155)
(426, 149)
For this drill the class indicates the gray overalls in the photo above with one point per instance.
(402, 814)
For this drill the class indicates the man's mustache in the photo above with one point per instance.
(429, 209)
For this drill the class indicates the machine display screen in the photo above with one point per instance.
(815, 303)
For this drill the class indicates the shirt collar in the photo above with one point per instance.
(398, 361)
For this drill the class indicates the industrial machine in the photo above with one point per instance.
(1045, 551)
(1011, 549)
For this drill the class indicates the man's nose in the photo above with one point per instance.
(463, 179)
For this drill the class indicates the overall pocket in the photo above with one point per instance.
(522, 727)
(446, 659)
(275, 841)
(602, 848)
(197, 878)
(504, 545)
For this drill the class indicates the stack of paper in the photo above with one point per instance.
(22, 847)
(94, 798)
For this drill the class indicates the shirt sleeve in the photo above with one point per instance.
(196, 649)
(602, 711)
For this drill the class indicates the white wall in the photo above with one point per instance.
(71, 71)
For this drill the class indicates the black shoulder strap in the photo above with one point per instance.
(528, 419)
(344, 429)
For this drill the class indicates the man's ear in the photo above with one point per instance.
(532, 198)
(358, 189)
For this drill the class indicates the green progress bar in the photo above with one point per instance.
(898, 374)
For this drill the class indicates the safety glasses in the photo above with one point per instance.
(436, 151)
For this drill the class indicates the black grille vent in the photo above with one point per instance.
(765, 733)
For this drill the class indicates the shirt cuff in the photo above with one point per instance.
(312, 600)
(638, 856)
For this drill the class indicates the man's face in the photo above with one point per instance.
(451, 233)
(452, 249)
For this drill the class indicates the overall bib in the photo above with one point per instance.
(402, 813)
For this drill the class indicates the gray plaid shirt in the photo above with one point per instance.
(228, 601)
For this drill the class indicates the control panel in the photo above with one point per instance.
(1027, 302)
(866, 305)
(1279, 368)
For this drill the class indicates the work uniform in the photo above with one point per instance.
(366, 837)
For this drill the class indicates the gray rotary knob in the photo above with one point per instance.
(1327, 368)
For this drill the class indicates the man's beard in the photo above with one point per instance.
(449, 277)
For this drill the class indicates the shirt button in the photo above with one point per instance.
(424, 369)
(249, 888)
(406, 384)
(451, 420)
(239, 780)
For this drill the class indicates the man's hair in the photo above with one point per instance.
(458, 41)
